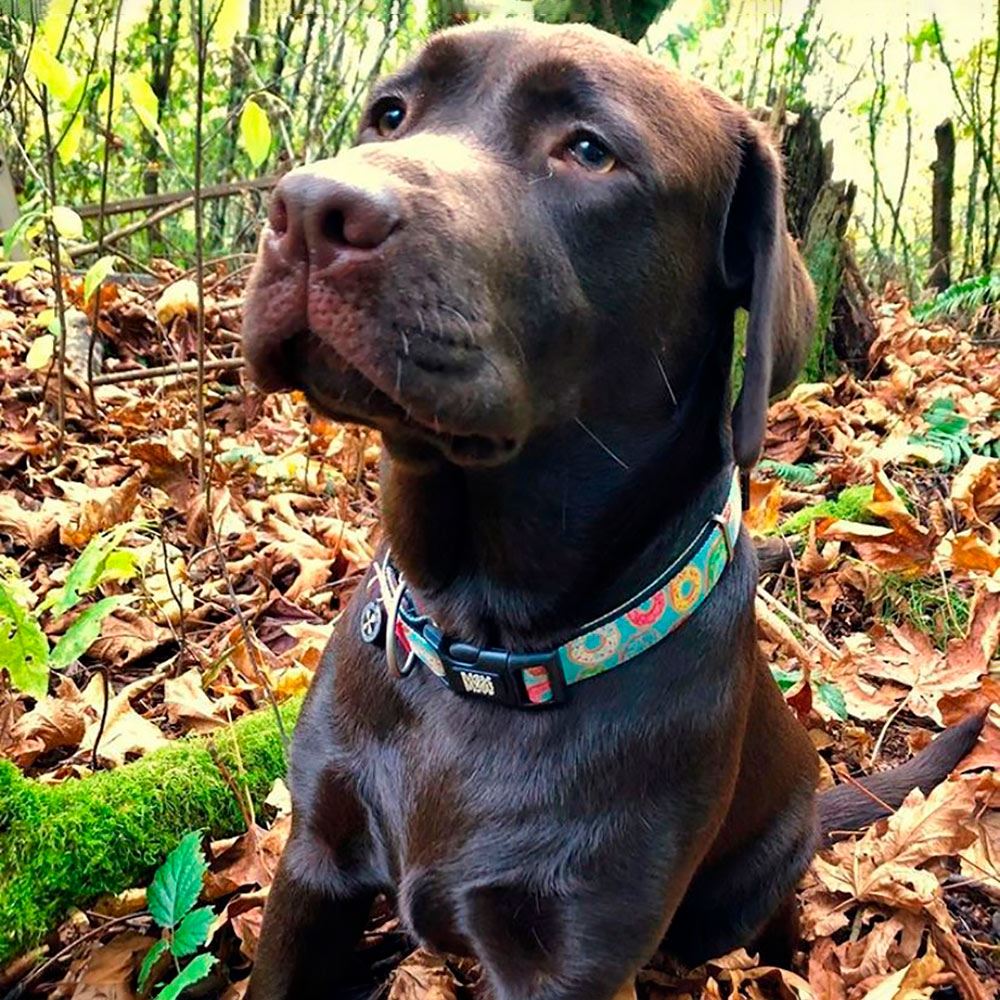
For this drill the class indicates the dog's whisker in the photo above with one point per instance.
(666, 381)
(600, 443)
(506, 328)
(465, 322)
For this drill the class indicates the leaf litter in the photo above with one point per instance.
(880, 616)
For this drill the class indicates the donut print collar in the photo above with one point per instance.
(393, 620)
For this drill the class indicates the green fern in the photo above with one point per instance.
(963, 296)
(798, 475)
(949, 433)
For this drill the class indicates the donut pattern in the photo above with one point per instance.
(644, 625)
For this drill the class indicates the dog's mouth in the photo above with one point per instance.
(339, 390)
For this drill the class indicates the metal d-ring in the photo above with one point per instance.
(392, 593)
(723, 525)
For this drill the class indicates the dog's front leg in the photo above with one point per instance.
(307, 938)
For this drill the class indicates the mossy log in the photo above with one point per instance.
(66, 844)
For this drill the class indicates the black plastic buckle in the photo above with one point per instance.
(497, 675)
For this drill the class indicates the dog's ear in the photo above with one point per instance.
(759, 261)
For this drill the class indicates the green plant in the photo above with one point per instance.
(939, 611)
(948, 434)
(64, 845)
(963, 296)
(851, 505)
(172, 896)
(798, 475)
(826, 691)
(24, 647)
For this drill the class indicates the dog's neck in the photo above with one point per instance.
(525, 553)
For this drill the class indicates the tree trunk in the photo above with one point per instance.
(808, 166)
(824, 251)
(818, 211)
(943, 193)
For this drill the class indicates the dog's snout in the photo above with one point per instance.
(319, 217)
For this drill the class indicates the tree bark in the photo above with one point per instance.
(943, 193)
(824, 249)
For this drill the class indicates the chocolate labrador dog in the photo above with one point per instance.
(543, 724)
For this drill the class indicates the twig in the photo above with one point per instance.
(170, 197)
(19, 990)
(133, 227)
(814, 633)
(106, 688)
(779, 631)
(165, 371)
(893, 715)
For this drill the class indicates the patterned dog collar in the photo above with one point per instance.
(534, 680)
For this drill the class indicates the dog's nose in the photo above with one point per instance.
(318, 217)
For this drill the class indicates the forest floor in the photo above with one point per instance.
(882, 626)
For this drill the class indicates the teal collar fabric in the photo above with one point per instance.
(536, 680)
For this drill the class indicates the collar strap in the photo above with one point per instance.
(532, 680)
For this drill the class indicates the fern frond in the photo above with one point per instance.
(963, 296)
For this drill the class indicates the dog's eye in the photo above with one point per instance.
(388, 116)
(591, 153)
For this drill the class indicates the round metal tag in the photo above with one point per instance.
(372, 626)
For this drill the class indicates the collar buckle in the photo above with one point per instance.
(498, 675)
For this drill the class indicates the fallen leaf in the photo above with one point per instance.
(56, 722)
(188, 706)
(102, 508)
(108, 972)
(975, 491)
(423, 976)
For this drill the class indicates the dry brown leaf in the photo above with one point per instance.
(901, 545)
(126, 733)
(902, 655)
(884, 866)
(101, 508)
(824, 971)
(975, 491)
(423, 976)
(764, 507)
(109, 970)
(37, 529)
(251, 860)
(888, 946)
(967, 550)
(188, 706)
(914, 982)
(58, 721)
(245, 913)
(128, 635)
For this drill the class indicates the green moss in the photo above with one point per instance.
(851, 505)
(64, 845)
(824, 264)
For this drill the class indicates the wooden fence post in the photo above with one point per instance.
(8, 201)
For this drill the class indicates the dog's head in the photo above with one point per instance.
(534, 223)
